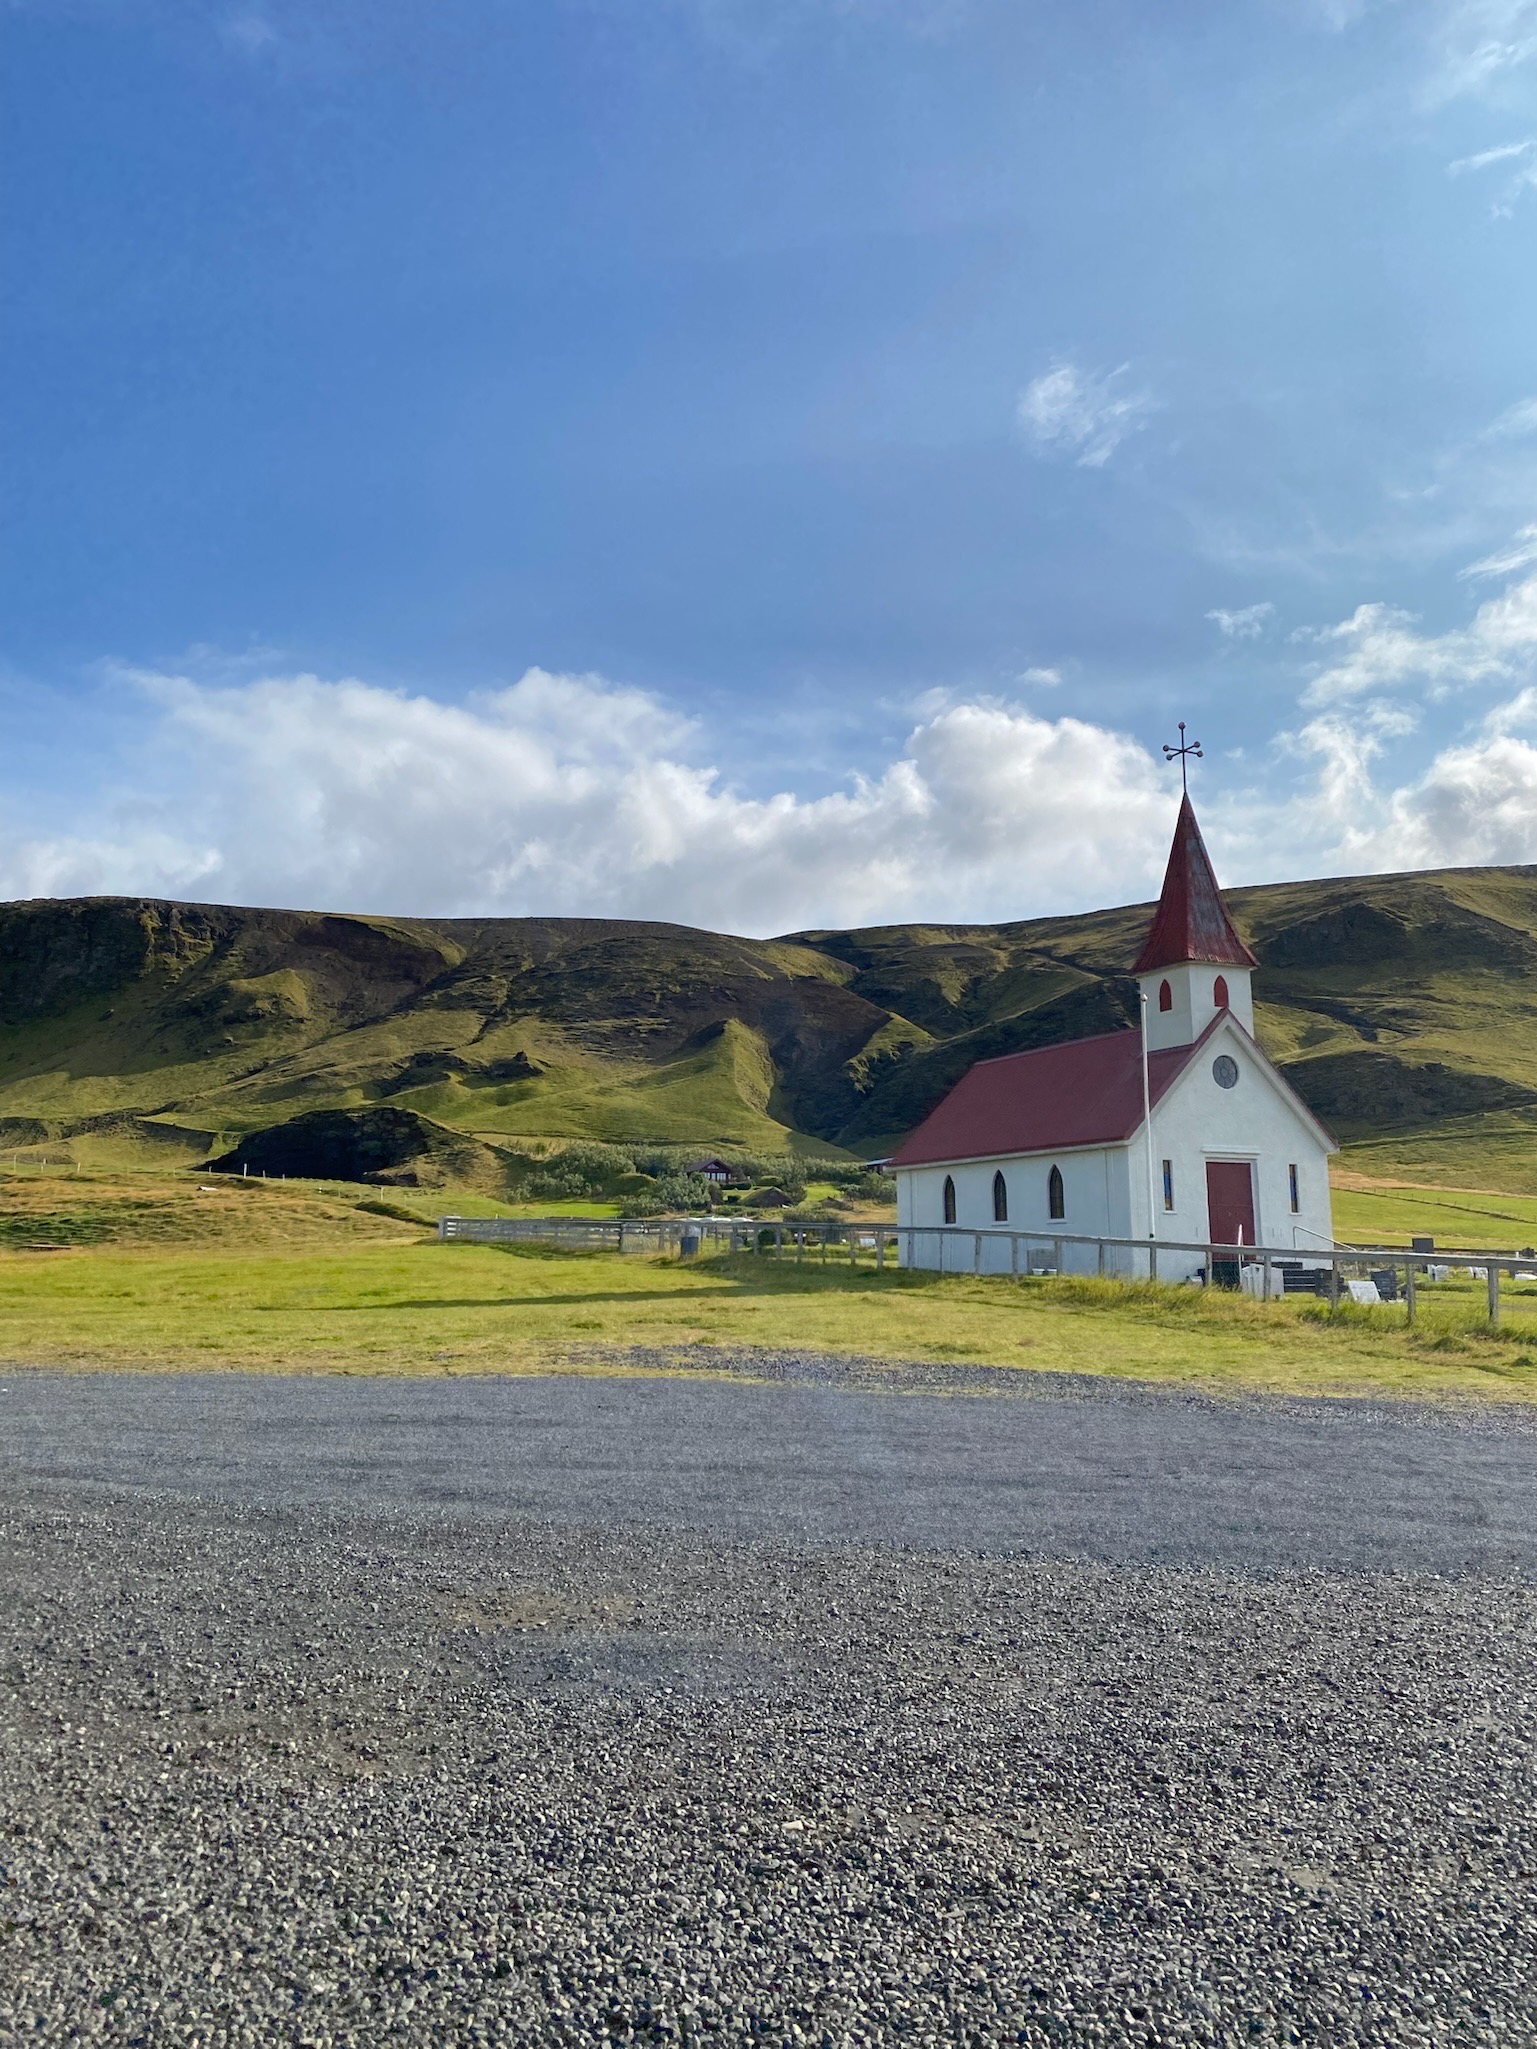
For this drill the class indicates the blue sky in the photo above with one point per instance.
(763, 464)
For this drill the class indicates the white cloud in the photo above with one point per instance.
(1248, 623)
(1520, 554)
(1515, 421)
(248, 33)
(571, 795)
(1486, 157)
(1048, 679)
(1520, 159)
(1377, 649)
(1478, 42)
(1068, 411)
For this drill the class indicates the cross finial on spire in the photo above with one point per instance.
(1181, 754)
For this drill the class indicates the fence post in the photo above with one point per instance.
(976, 1252)
(1014, 1255)
(880, 1249)
(1409, 1290)
(1056, 1256)
(1101, 1261)
(1334, 1282)
(1494, 1296)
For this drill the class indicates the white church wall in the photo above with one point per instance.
(1095, 1204)
(1255, 1121)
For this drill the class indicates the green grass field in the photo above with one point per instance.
(162, 1272)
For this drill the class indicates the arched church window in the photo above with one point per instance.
(1165, 996)
(1000, 1200)
(1056, 1194)
(1219, 992)
(949, 1200)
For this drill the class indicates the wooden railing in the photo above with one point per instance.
(1030, 1252)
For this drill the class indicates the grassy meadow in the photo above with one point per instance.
(166, 1271)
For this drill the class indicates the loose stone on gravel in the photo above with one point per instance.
(341, 1777)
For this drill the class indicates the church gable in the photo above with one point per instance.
(1217, 1084)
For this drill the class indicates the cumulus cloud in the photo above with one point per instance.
(1071, 411)
(570, 795)
(1248, 623)
(1378, 649)
(567, 794)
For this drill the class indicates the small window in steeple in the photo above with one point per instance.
(1219, 992)
(1165, 996)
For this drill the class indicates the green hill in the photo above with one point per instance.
(1404, 1007)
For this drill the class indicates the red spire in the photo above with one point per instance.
(1190, 923)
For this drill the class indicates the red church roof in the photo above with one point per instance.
(1088, 1092)
(1190, 923)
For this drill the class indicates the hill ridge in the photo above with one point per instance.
(1403, 1006)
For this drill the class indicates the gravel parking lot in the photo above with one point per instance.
(578, 1711)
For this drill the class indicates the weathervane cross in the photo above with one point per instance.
(1181, 754)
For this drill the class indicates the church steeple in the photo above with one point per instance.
(1190, 923)
(1192, 964)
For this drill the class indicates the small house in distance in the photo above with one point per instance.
(719, 1173)
(1055, 1141)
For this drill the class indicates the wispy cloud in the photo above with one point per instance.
(1083, 413)
(1519, 555)
(1247, 623)
(249, 33)
(1477, 42)
(1047, 679)
(1516, 421)
(1520, 161)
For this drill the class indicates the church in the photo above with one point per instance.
(1182, 1132)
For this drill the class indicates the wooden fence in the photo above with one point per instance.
(1272, 1270)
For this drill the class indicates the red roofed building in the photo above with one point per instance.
(1056, 1141)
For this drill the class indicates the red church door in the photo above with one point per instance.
(1230, 1202)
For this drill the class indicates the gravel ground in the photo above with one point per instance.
(351, 1770)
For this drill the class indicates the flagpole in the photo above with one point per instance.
(1147, 1128)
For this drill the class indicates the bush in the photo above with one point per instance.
(579, 1173)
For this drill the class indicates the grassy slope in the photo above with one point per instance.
(287, 1279)
(1404, 1006)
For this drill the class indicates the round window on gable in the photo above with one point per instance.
(1224, 1071)
(949, 1200)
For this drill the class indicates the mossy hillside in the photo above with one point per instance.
(1405, 1007)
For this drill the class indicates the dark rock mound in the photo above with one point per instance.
(341, 1145)
(1381, 1090)
(1358, 933)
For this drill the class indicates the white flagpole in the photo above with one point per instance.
(1147, 1127)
